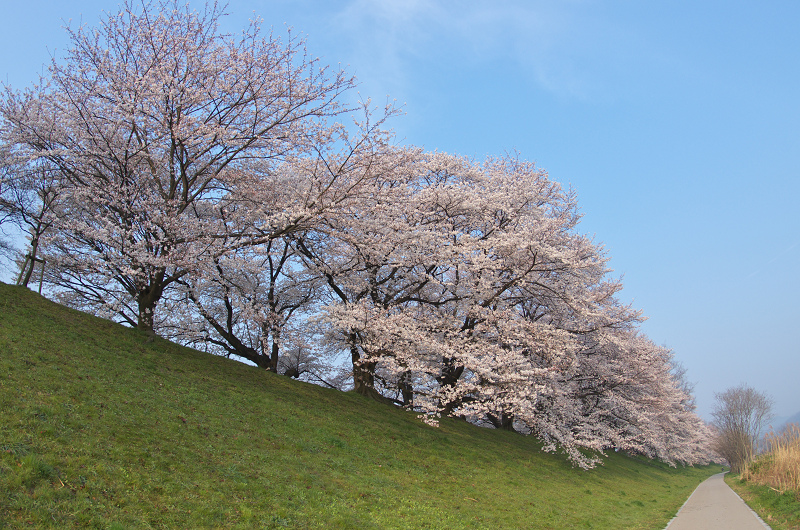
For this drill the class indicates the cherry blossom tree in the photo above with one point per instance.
(242, 302)
(366, 252)
(467, 292)
(157, 121)
(439, 249)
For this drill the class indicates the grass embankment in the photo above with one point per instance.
(99, 428)
(771, 483)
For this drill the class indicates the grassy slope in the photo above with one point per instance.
(99, 428)
(779, 510)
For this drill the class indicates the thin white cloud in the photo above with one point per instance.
(547, 40)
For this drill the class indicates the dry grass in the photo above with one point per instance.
(779, 468)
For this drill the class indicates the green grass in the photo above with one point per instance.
(779, 510)
(100, 428)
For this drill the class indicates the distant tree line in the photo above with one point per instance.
(225, 192)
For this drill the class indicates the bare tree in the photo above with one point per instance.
(740, 415)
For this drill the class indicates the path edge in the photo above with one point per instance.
(760, 520)
(749, 508)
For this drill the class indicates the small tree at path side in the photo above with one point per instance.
(740, 415)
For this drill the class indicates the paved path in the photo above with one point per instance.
(715, 505)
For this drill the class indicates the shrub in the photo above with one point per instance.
(779, 467)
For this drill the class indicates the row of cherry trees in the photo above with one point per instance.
(221, 191)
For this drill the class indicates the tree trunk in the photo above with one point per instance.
(147, 301)
(145, 321)
(504, 421)
(30, 261)
(364, 374)
(450, 375)
(23, 272)
(148, 298)
(273, 359)
(407, 390)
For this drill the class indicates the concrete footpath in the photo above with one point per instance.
(715, 505)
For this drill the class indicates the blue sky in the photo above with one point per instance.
(678, 123)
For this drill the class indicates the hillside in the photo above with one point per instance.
(792, 419)
(100, 428)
